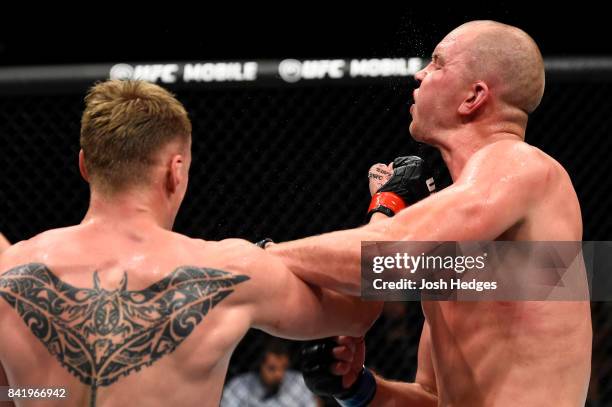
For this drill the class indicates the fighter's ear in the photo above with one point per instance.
(82, 166)
(477, 96)
(175, 176)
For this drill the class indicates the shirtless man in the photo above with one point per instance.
(119, 310)
(473, 102)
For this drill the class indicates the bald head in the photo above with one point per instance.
(505, 57)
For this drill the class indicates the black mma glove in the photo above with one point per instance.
(411, 181)
(316, 361)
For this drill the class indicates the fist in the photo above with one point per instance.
(378, 175)
(350, 356)
(410, 182)
(331, 366)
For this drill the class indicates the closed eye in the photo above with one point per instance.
(437, 61)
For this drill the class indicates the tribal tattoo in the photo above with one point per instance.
(100, 335)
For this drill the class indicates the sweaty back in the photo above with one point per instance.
(116, 310)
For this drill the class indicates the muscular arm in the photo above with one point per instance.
(286, 306)
(494, 192)
(392, 394)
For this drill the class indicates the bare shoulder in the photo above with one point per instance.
(22, 252)
(235, 247)
(249, 258)
(263, 274)
(30, 250)
(12, 256)
(236, 255)
(513, 152)
(541, 166)
(513, 162)
(554, 167)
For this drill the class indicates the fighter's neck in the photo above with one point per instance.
(459, 147)
(133, 208)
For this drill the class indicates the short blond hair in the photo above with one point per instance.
(125, 123)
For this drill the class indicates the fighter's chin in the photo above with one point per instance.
(414, 132)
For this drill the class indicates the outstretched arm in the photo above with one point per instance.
(493, 193)
(285, 306)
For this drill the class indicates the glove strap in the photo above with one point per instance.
(365, 390)
(388, 203)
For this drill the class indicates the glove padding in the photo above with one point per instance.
(411, 181)
(316, 361)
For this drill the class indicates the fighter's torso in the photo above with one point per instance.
(136, 319)
(517, 353)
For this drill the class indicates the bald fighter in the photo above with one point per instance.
(119, 310)
(473, 102)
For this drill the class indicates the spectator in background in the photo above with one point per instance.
(273, 385)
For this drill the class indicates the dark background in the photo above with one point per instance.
(290, 29)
